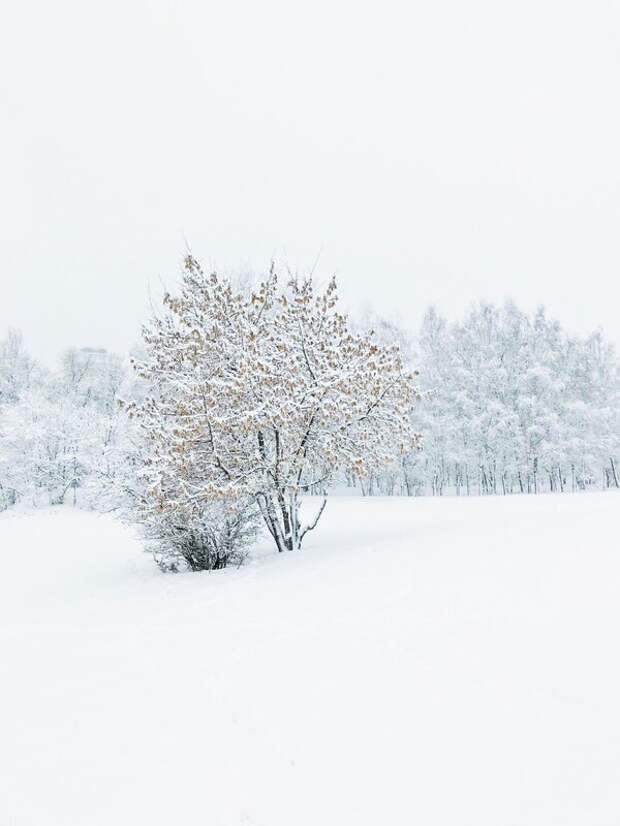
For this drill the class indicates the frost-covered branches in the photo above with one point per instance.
(62, 434)
(247, 397)
(510, 403)
(513, 404)
(259, 398)
(202, 538)
(17, 369)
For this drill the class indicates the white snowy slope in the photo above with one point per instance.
(422, 661)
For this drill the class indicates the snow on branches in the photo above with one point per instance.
(257, 398)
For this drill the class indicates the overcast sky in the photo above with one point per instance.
(426, 152)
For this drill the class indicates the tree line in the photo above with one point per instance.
(510, 403)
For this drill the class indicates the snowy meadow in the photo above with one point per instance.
(309, 413)
(281, 566)
(434, 660)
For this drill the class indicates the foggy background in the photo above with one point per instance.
(436, 152)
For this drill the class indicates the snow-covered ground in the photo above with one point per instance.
(421, 661)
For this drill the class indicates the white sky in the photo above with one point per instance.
(429, 152)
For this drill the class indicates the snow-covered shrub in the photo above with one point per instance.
(206, 539)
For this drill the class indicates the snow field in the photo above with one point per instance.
(432, 661)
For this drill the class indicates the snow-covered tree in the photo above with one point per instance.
(257, 399)
(17, 368)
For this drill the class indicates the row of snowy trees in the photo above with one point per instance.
(510, 404)
(243, 398)
(63, 437)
